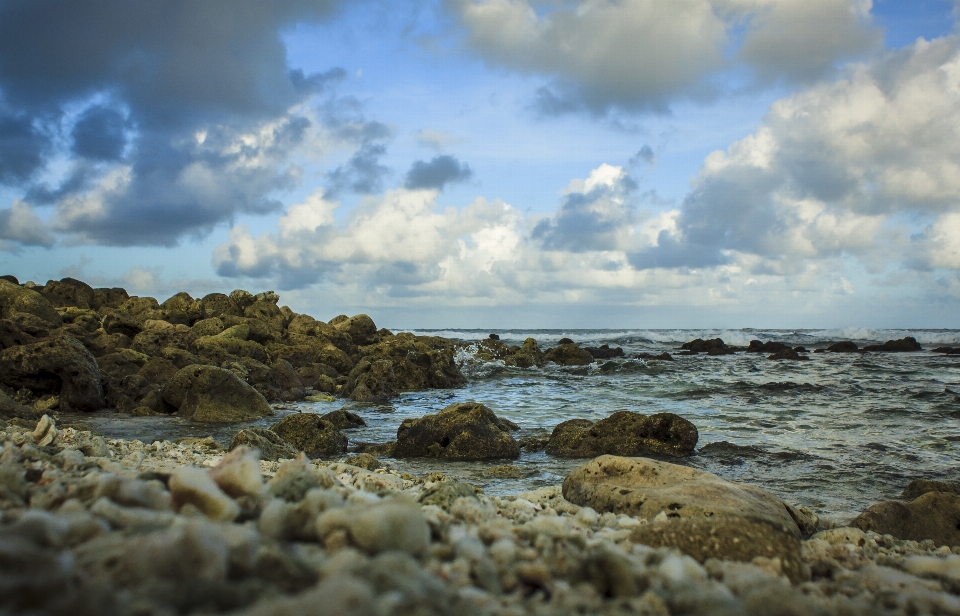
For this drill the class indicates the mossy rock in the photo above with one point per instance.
(461, 431)
(311, 434)
(267, 442)
(14, 299)
(568, 354)
(207, 393)
(624, 433)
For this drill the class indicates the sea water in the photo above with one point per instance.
(836, 433)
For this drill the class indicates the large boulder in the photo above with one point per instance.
(157, 334)
(311, 434)
(16, 299)
(68, 292)
(361, 328)
(222, 347)
(111, 298)
(527, 355)
(267, 442)
(461, 431)
(934, 515)
(207, 393)
(715, 346)
(55, 365)
(371, 381)
(624, 433)
(218, 304)
(644, 488)
(727, 538)
(568, 354)
(182, 303)
(12, 335)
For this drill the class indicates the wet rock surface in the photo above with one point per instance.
(933, 515)
(624, 433)
(462, 431)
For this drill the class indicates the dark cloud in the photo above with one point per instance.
(362, 174)
(437, 173)
(592, 220)
(99, 134)
(192, 123)
(644, 155)
(22, 148)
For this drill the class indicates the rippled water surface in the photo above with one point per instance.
(836, 433)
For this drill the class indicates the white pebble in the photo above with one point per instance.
(194, 486)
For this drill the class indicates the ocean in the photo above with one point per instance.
(836, 433)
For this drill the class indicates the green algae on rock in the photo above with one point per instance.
(461, 431)
(624, 433)
(207, 393)
(311, 434)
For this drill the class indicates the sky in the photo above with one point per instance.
(493, 163)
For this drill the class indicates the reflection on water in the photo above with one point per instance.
(836, 433)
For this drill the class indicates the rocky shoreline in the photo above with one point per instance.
(90, 525)
(284, 520)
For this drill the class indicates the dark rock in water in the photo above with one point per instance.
(788, 353)
(904, 345)
(376, 449)
(207, 393)
(843, 347)
(715, 346)
(311, 434)
(947, 350)
(568, 354)
(564, 341)
(604, 352)
(364, 460)
(624, 433)
(731, 538)
(344, 420)
(534, 443)
(267, 442)
(662, 356)
(522, 357)
(934, 515)
(725, 350)
(919, 487)
(462, 431)
(493, 337)
(765, 347)
(60, 365)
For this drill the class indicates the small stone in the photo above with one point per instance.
(394, 524)
(238, 473)
(193, 486)
(45, 432)
(293, 480)
(365, 461)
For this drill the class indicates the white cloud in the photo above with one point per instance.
(840, 168)
(20, 224)
(640, 54)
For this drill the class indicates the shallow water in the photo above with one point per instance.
(836, 433)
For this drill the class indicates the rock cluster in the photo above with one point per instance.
(68, 346)
(165, 528)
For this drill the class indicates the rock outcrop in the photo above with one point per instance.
(461, 431)
(716, 346)
(311, 434)
(645, 488)
(568, 354)
(624, 433)
(207, 393)
(60, 365)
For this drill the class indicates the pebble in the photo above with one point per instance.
(185, 528)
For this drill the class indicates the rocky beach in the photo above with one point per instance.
(263, 504)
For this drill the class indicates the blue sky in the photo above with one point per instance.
(494, 163)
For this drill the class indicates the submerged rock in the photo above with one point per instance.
(904, 345)
(624, 433)
(843, 347)
(644, 488)
(461, 431)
